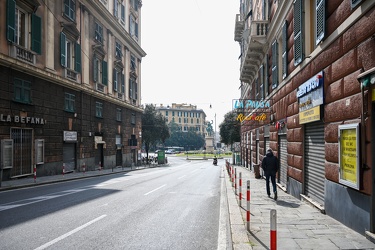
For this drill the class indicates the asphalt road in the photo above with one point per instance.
(171, 207)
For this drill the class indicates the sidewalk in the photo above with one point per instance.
(30, 181)
(299, 225)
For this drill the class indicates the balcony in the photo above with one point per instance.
(23, 54)
(239, 27)
(254, 49)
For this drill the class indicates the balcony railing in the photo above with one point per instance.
(255, 49)
(21, 53)
(239, 27)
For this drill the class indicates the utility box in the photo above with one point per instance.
(161, 157)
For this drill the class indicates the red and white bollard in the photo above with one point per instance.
(273, 236)
(232, 176)
(63, 172)
(248, 205)
(34, 173)
(235, 181)
(240, 189)
(100, 166)
(84, 168)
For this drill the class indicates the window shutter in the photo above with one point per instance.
(130, 88)
(320, 20)
(298, 40)
(104, 73)
(122, 83)
(36, 34)
(115, 9)
(77, 55)
(96, 69)
(136, 90)
(261, 73)
(123, 12)
(274, 65)
(115, 79)
(63, 49)
(11, 20)
(136, 29)
(285, 50)
(266, 79)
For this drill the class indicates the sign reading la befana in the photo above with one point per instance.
(22, 119)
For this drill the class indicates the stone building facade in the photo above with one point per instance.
(70, 85)
(187, 117)
(307, 75)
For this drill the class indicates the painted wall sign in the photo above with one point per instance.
(250, 104)
(22, 119)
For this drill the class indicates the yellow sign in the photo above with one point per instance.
(348, 154)
(373, 94)
(310, 115)
(253, 117)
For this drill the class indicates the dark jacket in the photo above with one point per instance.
(270, 164)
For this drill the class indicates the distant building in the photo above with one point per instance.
(70, 85)
(187, 117)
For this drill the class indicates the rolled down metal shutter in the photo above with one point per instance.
(314, 161)
(283, 160)
(69, 158)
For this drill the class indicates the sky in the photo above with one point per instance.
(191, 56)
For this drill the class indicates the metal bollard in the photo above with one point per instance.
(248, 205)
(240, 189)
(63, 172)
(34, 173)
(235, 181)
(273, 235)
(84, 168)
(232, 176)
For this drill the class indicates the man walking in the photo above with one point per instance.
(270, 165)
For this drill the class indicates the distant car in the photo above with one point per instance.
(169, 151)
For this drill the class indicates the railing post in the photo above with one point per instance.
(248, 205)
(273, 234)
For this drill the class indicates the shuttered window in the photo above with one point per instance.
(62, 49)
(104, 73)
(261, 73)
(77, 54)
(274, 65)
(36, 34)
(115, 79)
(320, 20)
(285, 50)
(11, 20)
(122, 83)
(298, 36)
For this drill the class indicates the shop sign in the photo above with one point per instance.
(22, 119)
(253, 117)
(310, 93)
(349, 155)
(310, 115)
(70, 136)
(250, 104)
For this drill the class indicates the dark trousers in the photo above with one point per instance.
(273, 180)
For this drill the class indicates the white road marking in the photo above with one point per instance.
(70, 233)
(182, 177)
(155, 189)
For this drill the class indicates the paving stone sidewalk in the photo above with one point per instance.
(299, 224)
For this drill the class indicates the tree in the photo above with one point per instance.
(230, 129)
(187, 139)
(154, 127)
